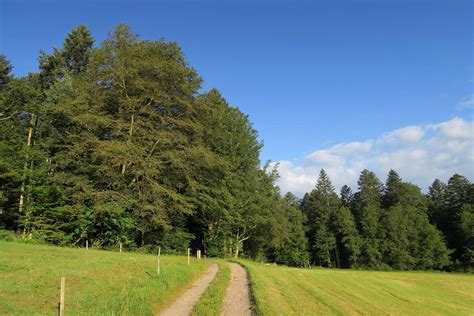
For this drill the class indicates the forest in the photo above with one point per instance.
(117, 143)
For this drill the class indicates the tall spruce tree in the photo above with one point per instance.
(5, 73)
(346, 195)
(367, 213)
(348, 241)
(321, 205)
(459, 194)
(72, 59)
(437, 203)
(392, 190)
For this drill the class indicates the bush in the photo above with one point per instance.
(6, 235)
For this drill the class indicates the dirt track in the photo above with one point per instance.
(185, 303)
(237, 296)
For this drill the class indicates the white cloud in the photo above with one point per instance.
(409, 134)
(467, 103)
(418, 153)
(455, 128)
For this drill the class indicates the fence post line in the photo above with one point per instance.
(120, 245)
(87, 243)
(189, 253)
(62, 296)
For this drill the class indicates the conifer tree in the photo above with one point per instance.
(72, 59)
(5, 73)
(392, 190)
(367, 216)
(322, 204)
(346, 196)
(458, 195)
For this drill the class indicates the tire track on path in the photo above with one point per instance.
(185, 303)
(237, 295)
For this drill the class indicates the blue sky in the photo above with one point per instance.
(310, 74)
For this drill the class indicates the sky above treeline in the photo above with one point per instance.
(340, 85)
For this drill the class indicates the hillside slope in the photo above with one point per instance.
(97, 282)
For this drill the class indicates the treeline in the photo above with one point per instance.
(391, 225)
(118, 144)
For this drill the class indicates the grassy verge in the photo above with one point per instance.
(292, 291)
(97, 282)
(212, 300)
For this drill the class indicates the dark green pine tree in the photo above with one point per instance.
(437, 203)
(409, 240)
(320, 208)
(392, 190)
(72, 59)
(346, 196)
(348, 241)
(5, 73)
(77, 49)
(367, 210)
(466, 229)
(10, 166)
(458, 194)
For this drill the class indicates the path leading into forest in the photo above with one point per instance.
(237, 296)
(236, 299)
(185, 303)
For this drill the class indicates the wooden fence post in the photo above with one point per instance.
(189, 253)
(158, 265)
(62, 296)
(120, 246)
(87, 243)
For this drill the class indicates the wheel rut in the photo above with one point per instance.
(237, 295)
(186, 302)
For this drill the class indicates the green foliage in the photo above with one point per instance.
(466, 225)
(449, 209)
(6, 235)
(367, 212)
(5, 72)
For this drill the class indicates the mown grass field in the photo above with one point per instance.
(291, 291)
(97, 282)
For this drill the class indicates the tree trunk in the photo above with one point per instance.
(236, 253)
(29, 142)
(338, 263)
(130, 133)
(25, 168)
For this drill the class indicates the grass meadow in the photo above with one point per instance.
(110, 283)
(293, 291)
(97, 282)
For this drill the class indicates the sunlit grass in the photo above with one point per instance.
(97, 282)
(292, 291)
